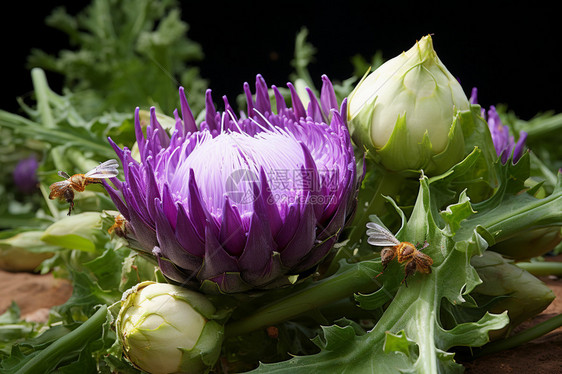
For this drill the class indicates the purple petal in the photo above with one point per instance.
(290, 226)
(474, 96)
(115, 196)
(228, 283)
(169, 206)
(303, 240)
(279, 100)
(144, 233)
(210, 111)
(310, 174)
(135, 196)
(249, 99)
(170, 247)
(328, 97)
(298, 107)
(117, 150)
(257, 252)
(343, 113)
(229, 114)
(232, 234)
(217, 261)
(170, 270)
(325, 241)
(163, 138)
(262, 96)
(117, 183)
(199, 215)
(152, 192)
(186, 234)
(138, 132)
(267, 199)
(188, 119)
(314, 110)
(520, 146)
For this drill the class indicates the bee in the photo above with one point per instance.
(119, 226)
(404, 251)
(64, 190)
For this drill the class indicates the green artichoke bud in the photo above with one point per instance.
(24, 251)
(165, 328)
(405, 112)
(80, 231)
(530, 243)
(517, 291)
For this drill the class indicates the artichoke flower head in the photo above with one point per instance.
(240, 203)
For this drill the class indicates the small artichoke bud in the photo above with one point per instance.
(25, 175)
(165, 328)
(81, 231)
(518, 291)
(405, 112)
(530, 243)
(24, 251)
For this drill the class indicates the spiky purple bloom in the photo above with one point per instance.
(503, 142)
(25, 175)
(241, 202)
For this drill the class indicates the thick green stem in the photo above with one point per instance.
(542, 268)
(523, 337)
(358, 278)
(48, 358)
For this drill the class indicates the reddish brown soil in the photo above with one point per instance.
(35, 294)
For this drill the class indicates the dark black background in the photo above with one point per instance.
(510, 50)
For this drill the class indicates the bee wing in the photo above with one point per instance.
(57, 187)
(380, 236)
(423, 263)
(63, 174)
(107, 169)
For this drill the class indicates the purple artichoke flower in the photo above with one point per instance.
(503, 142)
(25, 175)
(241, 202)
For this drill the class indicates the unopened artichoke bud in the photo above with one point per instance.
(24, 251)
(405, 112)
(165, 328)
(530, 243)
(80, 231)
(519, 292)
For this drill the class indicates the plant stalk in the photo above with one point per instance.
(523, 337)
(358, 278)
(48, 358)
(542, 268)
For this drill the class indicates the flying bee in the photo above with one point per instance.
(64, 190)
(404, 251)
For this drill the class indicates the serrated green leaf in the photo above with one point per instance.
(456, 213)
(398, 343)
(412, 313)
